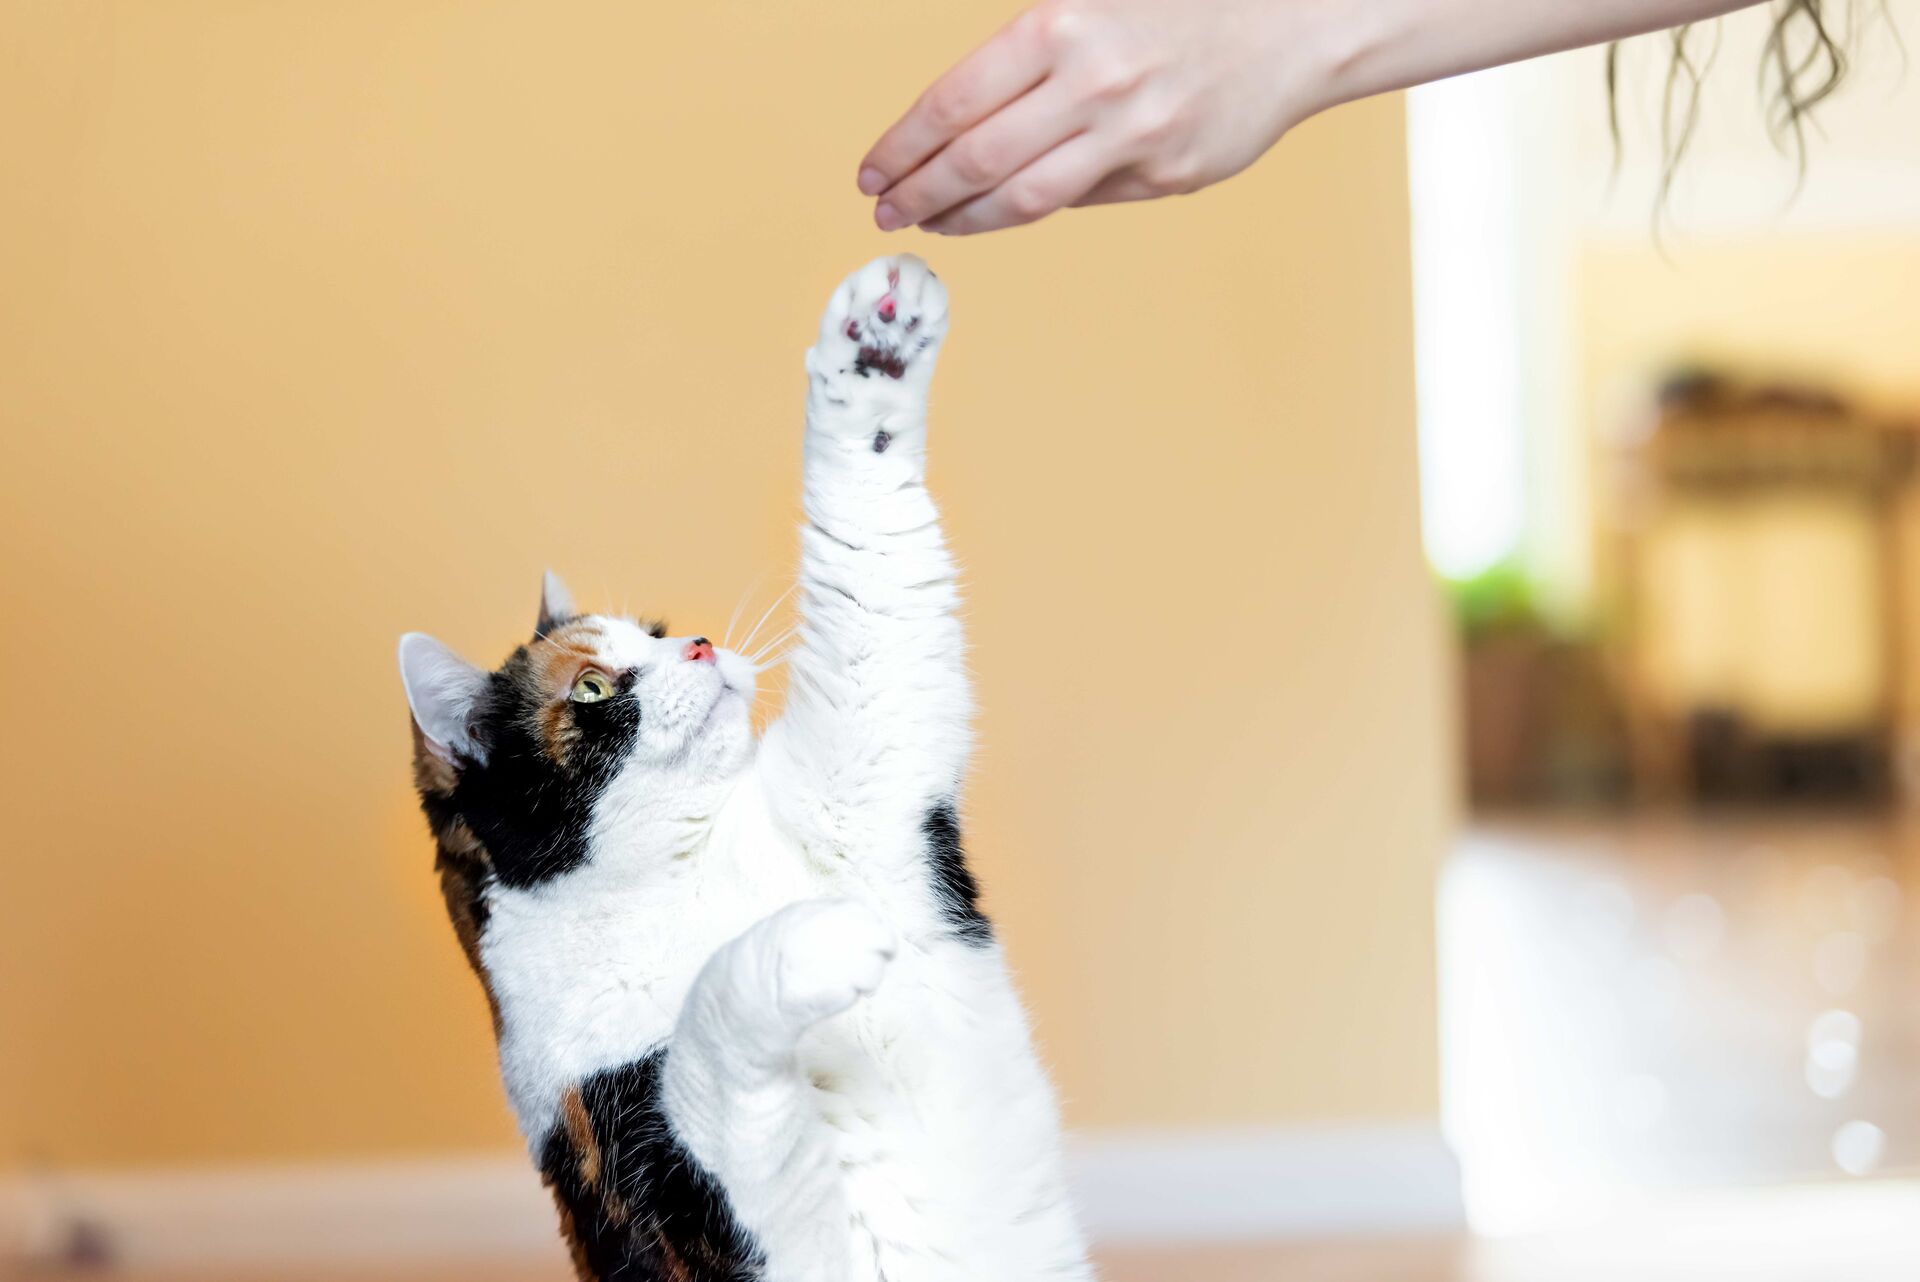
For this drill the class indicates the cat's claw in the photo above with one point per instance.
(885, 321)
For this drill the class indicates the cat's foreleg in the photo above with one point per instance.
(878, 707)
(736, 1097)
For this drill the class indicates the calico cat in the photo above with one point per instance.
(751, 1018)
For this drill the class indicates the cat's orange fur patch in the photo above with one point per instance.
(586, 1154)
(553, 662)
(462, 873)
(573, 1109)
(677, 1270)
(582, 1267)
(432, 775)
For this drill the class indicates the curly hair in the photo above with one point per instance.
(1802, 62)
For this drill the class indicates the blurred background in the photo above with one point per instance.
(1446, 633)
(1668, 482)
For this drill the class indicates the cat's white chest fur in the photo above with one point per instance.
(591, 969)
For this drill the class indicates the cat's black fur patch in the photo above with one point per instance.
(641, 1209)
(953, 881)
(530, 811)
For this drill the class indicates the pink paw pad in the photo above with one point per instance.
(887, 309)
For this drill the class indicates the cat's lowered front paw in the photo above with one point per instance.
(884, 322)
(828, 954)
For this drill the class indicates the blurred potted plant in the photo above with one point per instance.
(1540, 720)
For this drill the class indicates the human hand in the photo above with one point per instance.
(1085, 102)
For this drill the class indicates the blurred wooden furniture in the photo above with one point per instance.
(1760, 551)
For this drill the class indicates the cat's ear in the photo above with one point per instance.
(556, 604)
(443, 690)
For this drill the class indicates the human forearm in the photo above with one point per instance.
(1376, 46)
(1081, 102)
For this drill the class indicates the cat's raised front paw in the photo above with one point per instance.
(884, 322)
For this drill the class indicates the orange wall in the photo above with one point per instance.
(322, 322)
(1834, 306)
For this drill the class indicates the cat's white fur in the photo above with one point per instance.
(860, 1081)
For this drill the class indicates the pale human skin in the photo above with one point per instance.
(1088, 102)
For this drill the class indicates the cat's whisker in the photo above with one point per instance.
(785, 643)
(760, 669)
(769, 643)
(772, 650)
(740, 604)
(747, 642)
(768, 614)
(774, 644)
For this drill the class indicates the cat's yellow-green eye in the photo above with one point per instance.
(591, 687)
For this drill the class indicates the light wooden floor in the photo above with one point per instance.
(1665, 1003)
(1403, 1261)
(1398, 1261)
(1408, 1261)
(1768, 1240)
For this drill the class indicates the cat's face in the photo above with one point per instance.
(524, 758)
(594, 695)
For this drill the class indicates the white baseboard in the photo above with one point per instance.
(1131, 1187)
(1234, 1185)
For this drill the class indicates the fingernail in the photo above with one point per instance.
(872, 181)
(887, 217)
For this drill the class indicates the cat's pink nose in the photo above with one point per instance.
(699, 650)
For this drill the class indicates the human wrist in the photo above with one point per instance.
(1355, 49)
(1367, 47)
